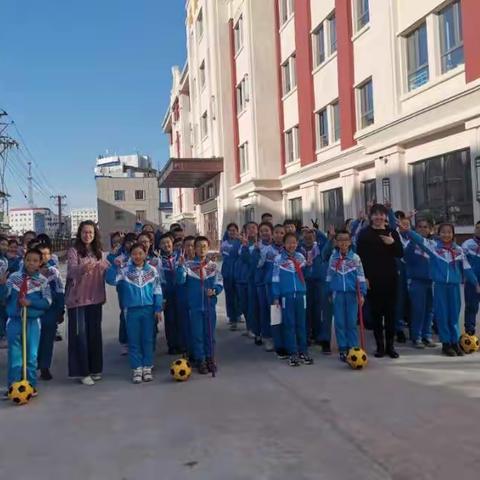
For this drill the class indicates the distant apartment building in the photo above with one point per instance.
(79, 215)
(127, 193)
(314, 109)
(40, 220)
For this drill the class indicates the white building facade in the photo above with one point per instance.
(79, 215)
(325, 107)
(39, 220)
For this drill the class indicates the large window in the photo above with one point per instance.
(322, 128)
(319, 45)
(286, 9)
(248, 214)
(332, 34)
(369, 188)
(325, 40)
(333, 208)
(362, 13)
(451, 36)
(119, 195)
(238, 34)
(139, 194)
(243, 154)
(417, 57)
(201, 74)
(289, 74)
(365, 100)
(291, 144)
(204, 125)
(119, 215)
(296, 210)
(442, 188)
(336, 121)
(242, 94)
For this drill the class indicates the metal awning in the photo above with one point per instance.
(189, 172)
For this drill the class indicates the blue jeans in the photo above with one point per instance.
(140, 322)
(231, 302)
(319, 311)
(202, 328)
(48, 323)
(264, 303)
(446, 308)
(421, 304)
(3, 320)
(345, 311)
(15, 360)
(293, 320)
(471, 307)
(254, 309)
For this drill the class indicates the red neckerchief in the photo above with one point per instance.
(451, 251)
(23, 288)
(339, 262)
(298, 269)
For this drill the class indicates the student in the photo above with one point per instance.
(52, 316)
(290, 226)
(144, 239)
(420, 287)
(378, 247)
(140, 290)
(449, 266)
(28, 236)
(204, 284)
(267, 218)
(44, 239)
(178, 233)
(13, 256)
(229, 250)
(288, 284)
(189, 247)
(3, 299)
(471, 248)
(26, 288)
(346, 281)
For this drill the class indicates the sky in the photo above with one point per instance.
(79, 78)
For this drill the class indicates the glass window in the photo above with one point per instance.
(332, 27)
(119, 215)
(238, 34)
(202, 74)
(242, 95)
(366, 104)
(291, 144)
(442, 188)
(363, 13)
(333, 208)
(369, 193)
(319, 45)
(289, 75)
(139, 194)
(204, 125)
(296, 209)
(243, 153)
(119, 195)
(287, 8)
(336, 121)
(322, 128)
(248, 214)
(417, 57)
(199, 25)
(451, 36)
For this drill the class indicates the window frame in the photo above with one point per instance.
(142, 196)
(366, 185)
(289, 76)
(362, 97)
(287, 9)
(119, 215)
(243, 157)
(414, 50)
(293, 204)
(238, 34)
(332, 45)
(339, 209)
(319, 45)
(121, 194)
(458, 33)
(204, 125)
(202, 75)
(322, 135)
(362, 15)
(291, 140)
(336, 121)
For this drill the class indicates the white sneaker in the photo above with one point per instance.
(147, 374)
(269, 347)
(3, 343)
(137, 375)
(250, 334)
(96, 376)
(88, 380)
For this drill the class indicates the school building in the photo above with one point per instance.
(313, 109)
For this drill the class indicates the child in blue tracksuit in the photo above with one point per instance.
(348, 286)
(449, 266)
(26, 288)
(471, 248)
(140, 290)
(420, 286)
(204, 284)
(229, 250)
(289, 290)
(3, 300)
(52, 316)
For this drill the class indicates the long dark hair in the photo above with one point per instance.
(96, 244)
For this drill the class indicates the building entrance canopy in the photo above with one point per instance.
(189, 172)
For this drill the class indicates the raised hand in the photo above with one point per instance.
(331, 232)
(387, 239)
(314, 223)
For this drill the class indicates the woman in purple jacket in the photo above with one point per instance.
(84, 297)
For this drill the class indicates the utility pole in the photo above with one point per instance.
(6, 144)
(31, 203)
(60, 205)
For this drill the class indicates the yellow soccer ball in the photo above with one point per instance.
(357, 358)
(180, 370)
(469, 343)
(20, 393)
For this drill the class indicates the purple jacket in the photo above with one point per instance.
(84, 288)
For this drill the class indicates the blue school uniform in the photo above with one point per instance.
(140, 290)
(449, 266)
(248, 297)
(200, 276)
(229, 251)
(3, 296)
(259, 257)
(471, 248)
(39, 295)
(288, 286)
(346, 280)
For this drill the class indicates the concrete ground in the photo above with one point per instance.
(258, 419)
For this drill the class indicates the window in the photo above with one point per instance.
(291, 144)
(242, 94)
(369, 193)
(119, 195)
(287, 9)
(336, 121)
(451, 36)
(238, 34)
(289, 74)
(417, 57)
(243, 154)
(322, 128)
(210, 190)
(248, 213)
(365, 96)
(442, 188)
(296, 210)
(204, 125)
(201, 74)
(139, 194)
(319, 45)
(362, 13)
(199, 25)
(333, 208)
(119, 215)
(140, 215)
(332, 34)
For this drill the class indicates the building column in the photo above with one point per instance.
(310, 202)
(473, 128)
(471, 38)
(351, 192)
(306, 97)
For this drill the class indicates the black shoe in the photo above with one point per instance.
(202, 368)
(45, 374)
(58, 338)
(282, 354)
(258, 340)
(470, 332)
(392, 353)
(294, 361)
(456, 348)
(429, 343)
(326, 350)
(448, 350)
(379, 354)
(401, 338)
(172, 351)
(343, 356)
(211, 365)
(306, 359)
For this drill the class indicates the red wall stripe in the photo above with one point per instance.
(278, 54)
(346, 73)
(471, 38)
(306, 97)
(233, 72)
